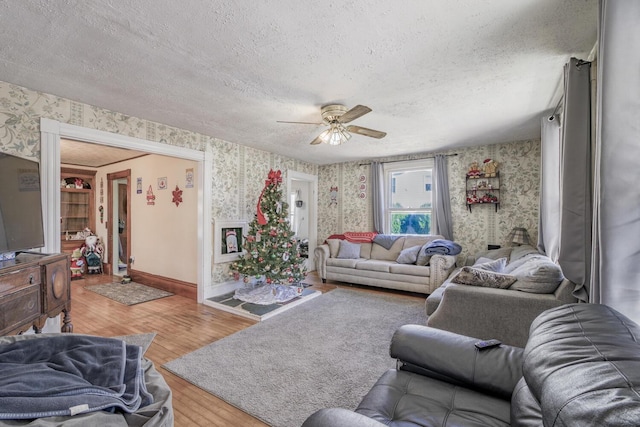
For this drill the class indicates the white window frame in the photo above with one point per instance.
(404, 166)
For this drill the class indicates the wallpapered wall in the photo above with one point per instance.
(239, 172)
(520, 179)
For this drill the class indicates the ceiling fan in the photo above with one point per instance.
(335, 116)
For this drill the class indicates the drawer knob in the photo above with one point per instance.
(31, 279)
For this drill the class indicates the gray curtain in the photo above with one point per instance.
(377, 196)
(442, 222)
(616, 252)
(575, 176)
(549, 217)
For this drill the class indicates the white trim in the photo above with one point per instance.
(313, 210)
(52, 130)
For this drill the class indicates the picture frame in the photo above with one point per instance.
(228, 240)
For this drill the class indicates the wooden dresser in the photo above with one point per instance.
(34, 287)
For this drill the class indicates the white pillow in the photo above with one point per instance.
(487, 264)
(409, 255)
(349, 250)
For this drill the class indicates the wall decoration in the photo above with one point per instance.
(177, 196)
(190, 178)
(333, 195)
(162, 183)
(138, 185)
(363, 178)
(101, 210)
(228, 240)
(362, 189)
(151, 198)
(101, 190)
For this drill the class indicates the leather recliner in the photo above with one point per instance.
(580, 367)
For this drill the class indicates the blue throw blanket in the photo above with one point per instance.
(66, 375)
(442, 247)
(386, 240)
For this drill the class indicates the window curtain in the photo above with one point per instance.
(575, 177)
(377, 196)
(442, 222)
(616, 251)
(549, 215)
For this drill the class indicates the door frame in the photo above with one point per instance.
(313, 209)
(50, 133)
(111, 177)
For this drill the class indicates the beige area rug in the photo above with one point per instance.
(128, 294)
(324, 353)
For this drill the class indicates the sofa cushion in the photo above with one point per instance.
(379, 252)
(496, 253)
(488, 279)
(410, 269)
(365, 250)
(411, 240)
(522, 251)
(343, 262)
(349, 250)
(375, 265)
(495, 265)
(334, 246)
(401, 398)
(409, 255)
(539, 275)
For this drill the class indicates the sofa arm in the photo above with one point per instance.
(490, 313)
(455, 359)
(441, 267)
(339, 417)
(321, 254)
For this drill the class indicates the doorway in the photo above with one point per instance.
(303, 211)
(119, 224)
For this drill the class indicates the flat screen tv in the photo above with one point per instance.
(20, 204)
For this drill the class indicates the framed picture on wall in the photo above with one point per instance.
(228, 240)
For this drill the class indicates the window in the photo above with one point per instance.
(408, 197)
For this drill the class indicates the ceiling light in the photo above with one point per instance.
(335, 135)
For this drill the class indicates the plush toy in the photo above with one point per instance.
(92, 251)
(490, 168)
(77, 263)
(474, 171)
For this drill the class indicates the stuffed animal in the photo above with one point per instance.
(77, 263)
(474, 171)
(490, 168)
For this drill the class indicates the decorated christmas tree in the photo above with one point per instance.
(271, 247)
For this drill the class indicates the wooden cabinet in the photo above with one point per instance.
(483, 190)
(34, 287)
(77, 205)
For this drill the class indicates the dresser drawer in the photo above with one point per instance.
(18, 308)
(15, 280)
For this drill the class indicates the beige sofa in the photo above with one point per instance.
(377, 266)
(505, 314)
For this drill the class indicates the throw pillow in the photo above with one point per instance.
(538, 276)
(487, 279)
(423, 258)
(495, 265)
(334, 245)
(409, 255)
(348, 250)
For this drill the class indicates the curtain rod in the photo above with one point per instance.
(407, 160)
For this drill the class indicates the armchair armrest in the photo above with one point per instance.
(339, 417)
(441, 267)
(487, 313)
(454, 358)
(321, 254)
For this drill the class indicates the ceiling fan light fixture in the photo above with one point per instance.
(335, 135)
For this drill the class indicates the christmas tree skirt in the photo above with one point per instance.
(259, 312)
(268, 294)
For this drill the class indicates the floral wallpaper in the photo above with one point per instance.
(238, 171)
(519, 193)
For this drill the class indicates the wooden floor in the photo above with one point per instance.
(182, 326)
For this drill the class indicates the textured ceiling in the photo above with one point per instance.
(437, 74)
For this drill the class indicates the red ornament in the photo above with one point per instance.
(177, 196)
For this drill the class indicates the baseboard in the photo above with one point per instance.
(178, 287)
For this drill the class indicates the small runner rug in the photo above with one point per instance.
(130, 293)
(327, 352)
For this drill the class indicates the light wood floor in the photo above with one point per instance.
(182, 326)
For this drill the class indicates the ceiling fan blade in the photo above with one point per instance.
(366, 132)
(317, 141)
(354, 113)
(299, 123)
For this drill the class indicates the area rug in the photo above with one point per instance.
(130, 293)
(327, 352)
